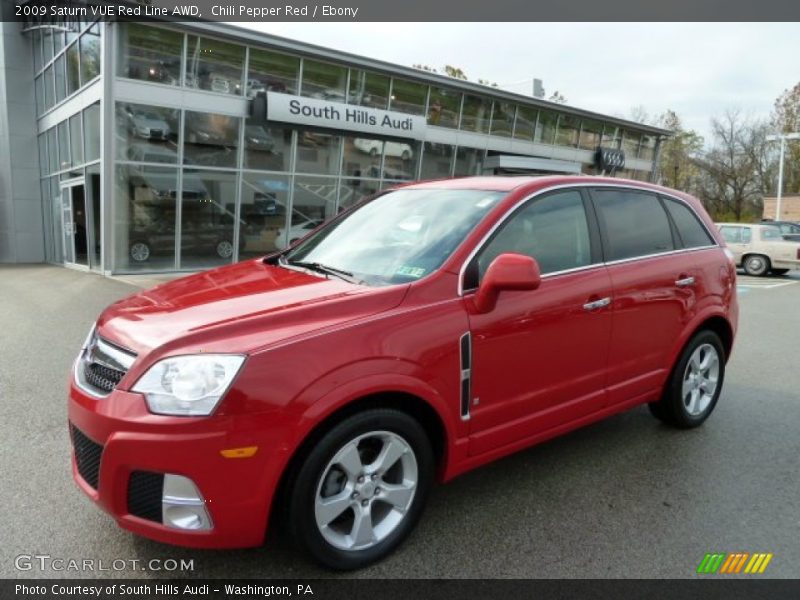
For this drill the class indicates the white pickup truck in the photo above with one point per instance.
(759, 248)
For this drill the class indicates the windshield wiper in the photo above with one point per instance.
(320, 268)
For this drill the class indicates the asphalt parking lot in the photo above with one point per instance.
(627, 497)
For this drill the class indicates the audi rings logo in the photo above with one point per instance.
(609, 159)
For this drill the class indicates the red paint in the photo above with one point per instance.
(542, 364)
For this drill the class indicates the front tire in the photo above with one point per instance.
(361, 489)
(756, 265)
(694, 386)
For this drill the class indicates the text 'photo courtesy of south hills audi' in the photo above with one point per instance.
(424, 332)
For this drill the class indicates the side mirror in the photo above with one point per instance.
(507, 272)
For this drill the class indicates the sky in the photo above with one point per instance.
(700, 70)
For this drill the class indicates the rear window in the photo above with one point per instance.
(635, 223)
(691, 231)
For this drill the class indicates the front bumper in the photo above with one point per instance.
(237, 491)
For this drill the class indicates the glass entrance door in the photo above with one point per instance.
(73, 213)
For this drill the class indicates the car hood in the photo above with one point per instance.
(238, 308)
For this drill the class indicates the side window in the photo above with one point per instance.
(771, 234)
(692, 232)
(747, 235)
(732, 235)
(552, 229)
(635, 223)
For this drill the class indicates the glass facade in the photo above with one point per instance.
(200, 184)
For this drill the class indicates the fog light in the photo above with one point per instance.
(182, 504)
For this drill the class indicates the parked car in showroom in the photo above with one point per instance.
(430, 330)
(394, 149)
(759, 248)
(147, 124)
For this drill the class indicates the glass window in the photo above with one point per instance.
(368, 89)
(353, 191)
(90, 55)
(207, 218)
(52, 150)
(630, 144)
(72, 31)
(267, 148)
(408, 97)
(552, 229)
(73, 67)
(150, 54)
(263, 215)
(732, 235)
(93, 199)
(145, 201)
(314, 201)
(635, 223)
(91, 132)
(648, 147)
(214, 65)
(210, 139)
(771, 234)
(36, 45)
(691, 231)
(525, 126)
(591, 134)
(47, 44)
(469, 161)
(546, 126)
(317, 152)
(270, 71)
(75, 139)
(400, 236)
(362, 157)
(44, 165)
(58, 41)
(39, 90)
(437, 161)
(60, 79)
(147, 133)
(63, 146)
(324, 81)
(476, 113)
(444, 107)
(400, 160)
(568, 129)
(503, 118)
(612, 136)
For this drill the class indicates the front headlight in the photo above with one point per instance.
(188, 385)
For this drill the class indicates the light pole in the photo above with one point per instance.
(782, 137)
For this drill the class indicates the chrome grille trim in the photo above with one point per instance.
(99, 355)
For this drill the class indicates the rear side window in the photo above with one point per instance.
(552, 229)
(736, 235)
(635, 223)
(691, 231)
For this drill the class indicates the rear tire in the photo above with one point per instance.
(694, 386)
(756, 265)
(361, 488)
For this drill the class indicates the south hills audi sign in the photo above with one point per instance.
(314, 112)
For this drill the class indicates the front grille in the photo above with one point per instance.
(87, 456)
(102, 377)
(145, 490)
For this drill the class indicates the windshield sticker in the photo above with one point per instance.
(486, 202)
(415, 272)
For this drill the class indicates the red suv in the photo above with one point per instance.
(427, 331)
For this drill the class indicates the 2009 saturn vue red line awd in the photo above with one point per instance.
(427, 331)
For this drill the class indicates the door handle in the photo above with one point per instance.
(596, 304)
(685, 282)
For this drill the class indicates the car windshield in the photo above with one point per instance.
(771, 233)
(399, 237)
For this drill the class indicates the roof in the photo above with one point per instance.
(504, 183)
(303, 48)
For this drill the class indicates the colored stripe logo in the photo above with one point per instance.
(734, 563)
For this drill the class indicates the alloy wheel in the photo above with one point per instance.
(700, 379)
(140, 251)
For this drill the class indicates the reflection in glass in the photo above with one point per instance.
(36, 45)
(263, 214)
(75, 141)
(149, 53)
(267, 148)
(362, 157)
(49, 89)
(324, 81)
(503, 118)
(546, 127)
(317, 153)
(60, 75)
(469, 161)
(353, 191)
(647, 149)
(400, 160)
(39, 90)
(526, 123)
(612, 136)
(145, 201)
(270, 71)
(476, 113)
(44, 166)
(73, 78)
(314, 201)
(408, 97)
(444, 107)
(147, 133)
(437, 161)
(630, 144)
(207, 218)
(93, 200)
(210, 139)
(90, 55)
(91, 132)
(591, 132)
(214, 65)
(47, 44)
(568, 128)
(368, 89)
(64, 160)
(52, 150)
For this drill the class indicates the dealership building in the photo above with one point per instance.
(132, 147)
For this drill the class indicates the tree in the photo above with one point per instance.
(454, 72)
(679, 154)
(786, 119)
(557, 97)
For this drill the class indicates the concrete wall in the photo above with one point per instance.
(21, 230)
